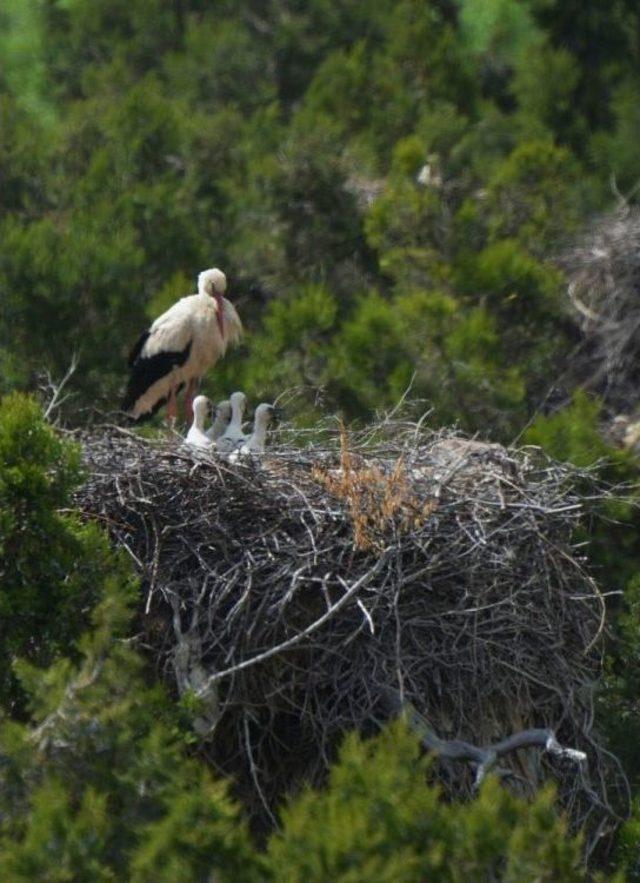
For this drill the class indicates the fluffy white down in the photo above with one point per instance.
(256, 442)
(221, 420)
(196, 435)
(234, 436)
(192, 318)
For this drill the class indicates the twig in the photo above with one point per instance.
(309, 630)
(56, 401)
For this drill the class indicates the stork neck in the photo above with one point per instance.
(219, 303)
(236, 413)
(260, 432)
(218, 424)
(199, 418)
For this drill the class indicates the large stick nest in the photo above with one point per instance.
(288, 595)
(604, 291)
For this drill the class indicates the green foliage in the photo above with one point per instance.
(629, 846)
(544, 87)
(317, 215)
(370, 358)
(99, 786)
(95, 783)
(501, 30)
(602, 41)
(572, 433)
(286, 144)
(54, 567)
(614, 150)
(619, 703)
(289, 351)
(533, 195)
(21, 48)
(378, 819)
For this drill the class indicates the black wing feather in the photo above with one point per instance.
(135, 352)
(145, 371)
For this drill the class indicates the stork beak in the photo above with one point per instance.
(276, 414)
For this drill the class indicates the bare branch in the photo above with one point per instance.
(484, 758)
(55, 390)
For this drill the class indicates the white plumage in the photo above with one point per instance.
(197, 435)
(233, 436)
(180, 346)
(262, 418)
(222, 416)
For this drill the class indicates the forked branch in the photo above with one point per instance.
(483, 758)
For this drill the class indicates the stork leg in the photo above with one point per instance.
(189, 396)
(172, 409)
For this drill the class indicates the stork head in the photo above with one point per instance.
(223, 411)
(238, 401)
(201, 409)
(265, 415)
(212, 282)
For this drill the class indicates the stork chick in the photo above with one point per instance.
(222, 417)
(197, 435)
(179, 348)
(233, 436)
(262, 419)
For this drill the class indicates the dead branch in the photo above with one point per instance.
(53, 391)
(483, 758)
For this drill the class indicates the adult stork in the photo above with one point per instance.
(179, 347)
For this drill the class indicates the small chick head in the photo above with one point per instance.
(238, 401)
(201, 406)
(265, 414)
(223, 411)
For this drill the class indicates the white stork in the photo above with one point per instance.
(222, 416)
(196, 435)
(255, 444)
(233, 436)
(179, 347)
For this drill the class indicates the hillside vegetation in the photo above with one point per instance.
(424, 199)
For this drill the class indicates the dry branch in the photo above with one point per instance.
(483, 758)
(52, 391)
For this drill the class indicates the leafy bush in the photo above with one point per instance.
(54, 568)
(378, 819)
(95, 782)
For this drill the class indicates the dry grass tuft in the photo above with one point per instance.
(377, 500)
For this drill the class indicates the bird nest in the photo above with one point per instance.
(604, 291)
(290, 598)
